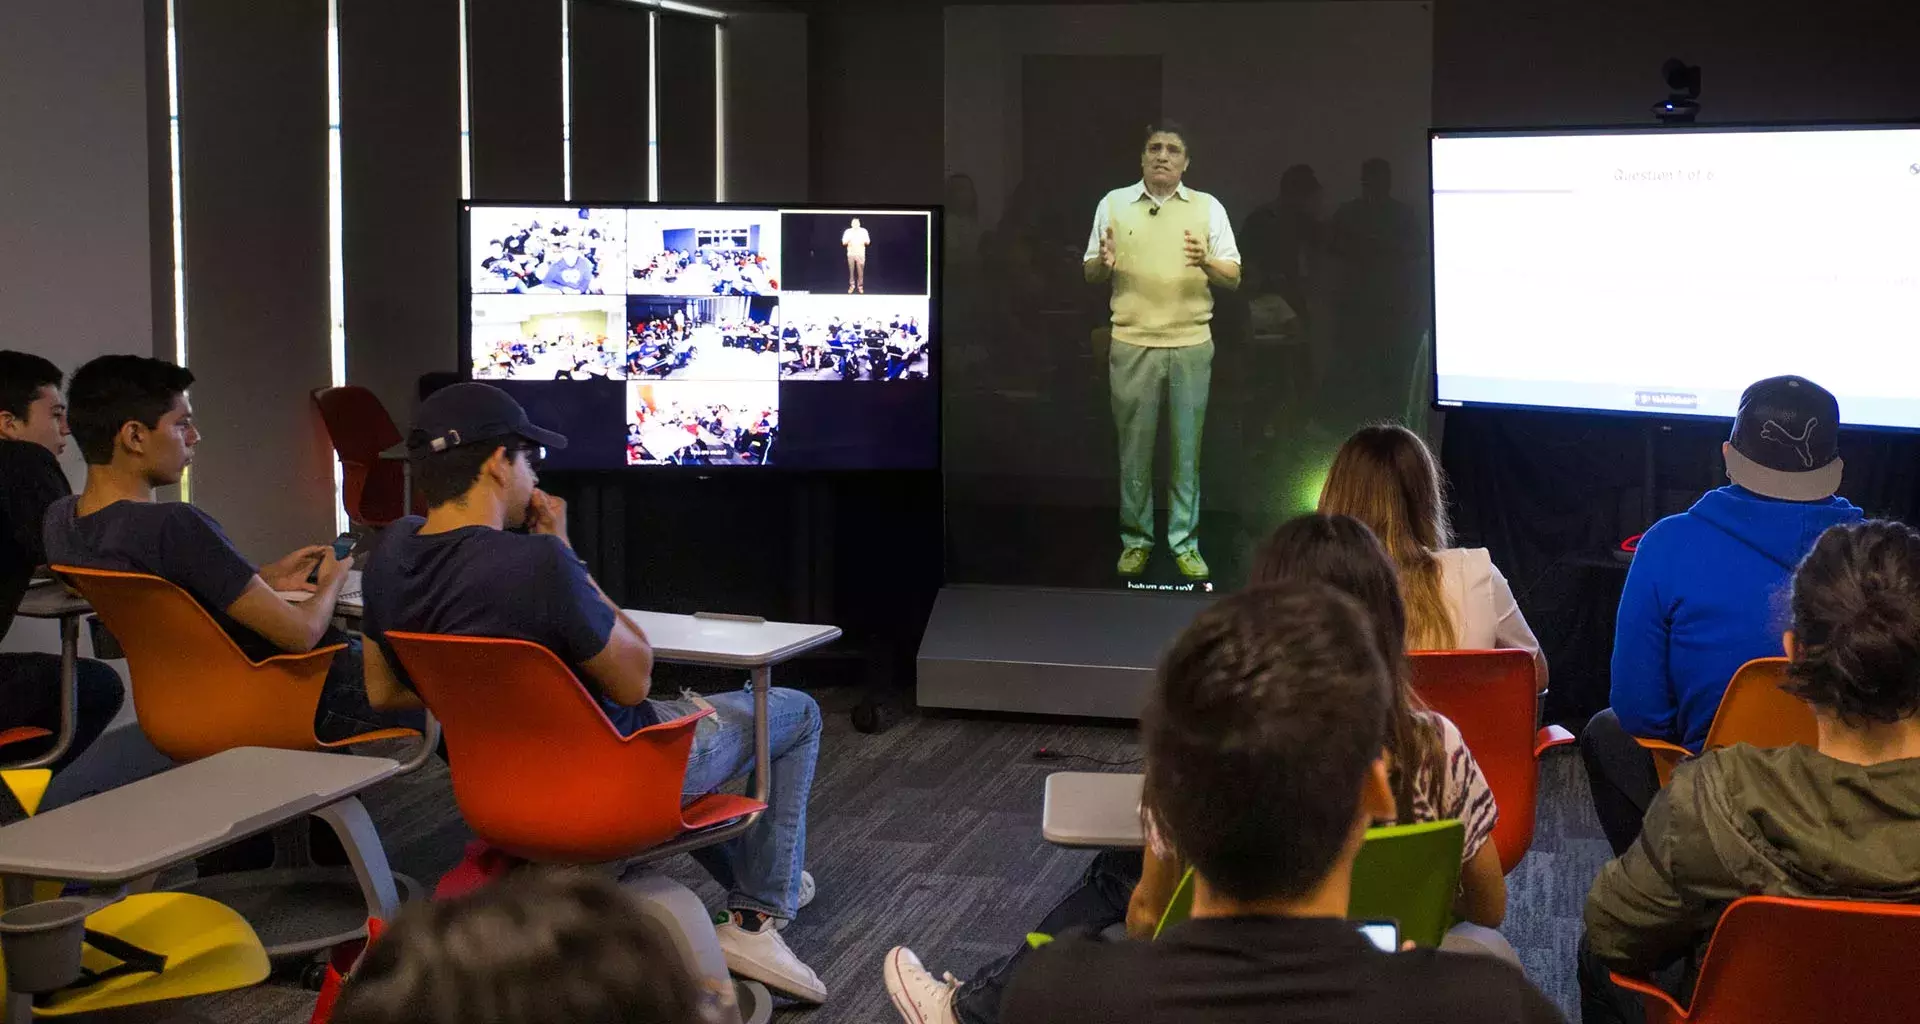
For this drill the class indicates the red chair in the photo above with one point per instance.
(540, 773)
(1786, 961)
(1491, 697)
(360, 429)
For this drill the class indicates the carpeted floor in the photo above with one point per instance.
(929, 835)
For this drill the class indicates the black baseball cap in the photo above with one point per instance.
(1786, 440)
(465, 413)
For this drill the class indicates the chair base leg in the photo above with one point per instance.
(684, 919)
(298, 908)
(369, 859)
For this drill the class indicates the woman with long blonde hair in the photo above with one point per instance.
(1456, 598)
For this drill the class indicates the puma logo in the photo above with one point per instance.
(1778, 434)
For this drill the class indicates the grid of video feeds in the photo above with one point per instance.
(713, 318)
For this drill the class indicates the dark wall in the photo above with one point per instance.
(876, 126)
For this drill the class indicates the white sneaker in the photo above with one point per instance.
(917, 994)
(807, 892)
(764, 957)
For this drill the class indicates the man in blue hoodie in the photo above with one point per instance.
(1703, 595)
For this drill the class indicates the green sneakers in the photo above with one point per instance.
(1133, 561)
(1192, 566)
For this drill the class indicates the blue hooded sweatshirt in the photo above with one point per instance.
(1705, 595)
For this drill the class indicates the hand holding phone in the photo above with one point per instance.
(1385, 935)
(342, 547)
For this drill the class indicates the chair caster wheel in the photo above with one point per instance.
(755, 1002)
(872, 716)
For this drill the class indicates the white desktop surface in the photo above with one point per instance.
(164, 819)
(52, 603)
(349, 603)
(1093, 809)
(728, 643)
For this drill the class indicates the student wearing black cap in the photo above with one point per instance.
(474, 454)
(1702, 596)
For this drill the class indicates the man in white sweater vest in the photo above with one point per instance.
(1164, 246)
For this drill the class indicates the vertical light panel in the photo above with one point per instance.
(466, 114)
(179, 232)
(173, 169)
(653, 106)
(336, 249)
(566, 99)
(719, 112)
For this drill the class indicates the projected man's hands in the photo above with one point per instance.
(1196, 250)
(1106, 249)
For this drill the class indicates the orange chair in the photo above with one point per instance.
(1755, 710)
(1786, 961)
(194, 691)
(374, 489)
(1491, 697)
(196, 694)
(540, 773)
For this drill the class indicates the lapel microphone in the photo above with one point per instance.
(1155, 212)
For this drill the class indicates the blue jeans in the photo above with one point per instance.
(759, 868)
(344, 710)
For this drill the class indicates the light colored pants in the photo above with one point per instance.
(760, 868)
(1139, 377)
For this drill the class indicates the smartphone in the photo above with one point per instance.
(1385, 935)
(342, 547)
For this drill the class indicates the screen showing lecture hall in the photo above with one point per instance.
(711, 336)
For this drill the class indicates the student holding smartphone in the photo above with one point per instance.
(134, 425)
(1265, 743)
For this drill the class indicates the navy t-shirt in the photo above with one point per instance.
(478, 581)
(169, 539)
(30, 481)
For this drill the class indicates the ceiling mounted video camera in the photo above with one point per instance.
(1682, 104)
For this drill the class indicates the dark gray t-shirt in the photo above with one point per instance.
(1265, 970)
(477, 581)
(169, 539)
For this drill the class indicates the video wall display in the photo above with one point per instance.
(676, 336)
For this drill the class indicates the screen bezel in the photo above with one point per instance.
(935, 356)
(1719, 127)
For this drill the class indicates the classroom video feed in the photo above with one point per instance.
(1181, 284)
(728, 338)
(702, 423)
(549, 337)
(855, 337)
(704, 252)
(857, 253)
(548, 250)
(678, 343)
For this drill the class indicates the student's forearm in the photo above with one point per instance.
(1159, 877)
(625, 620)
(317, 611)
